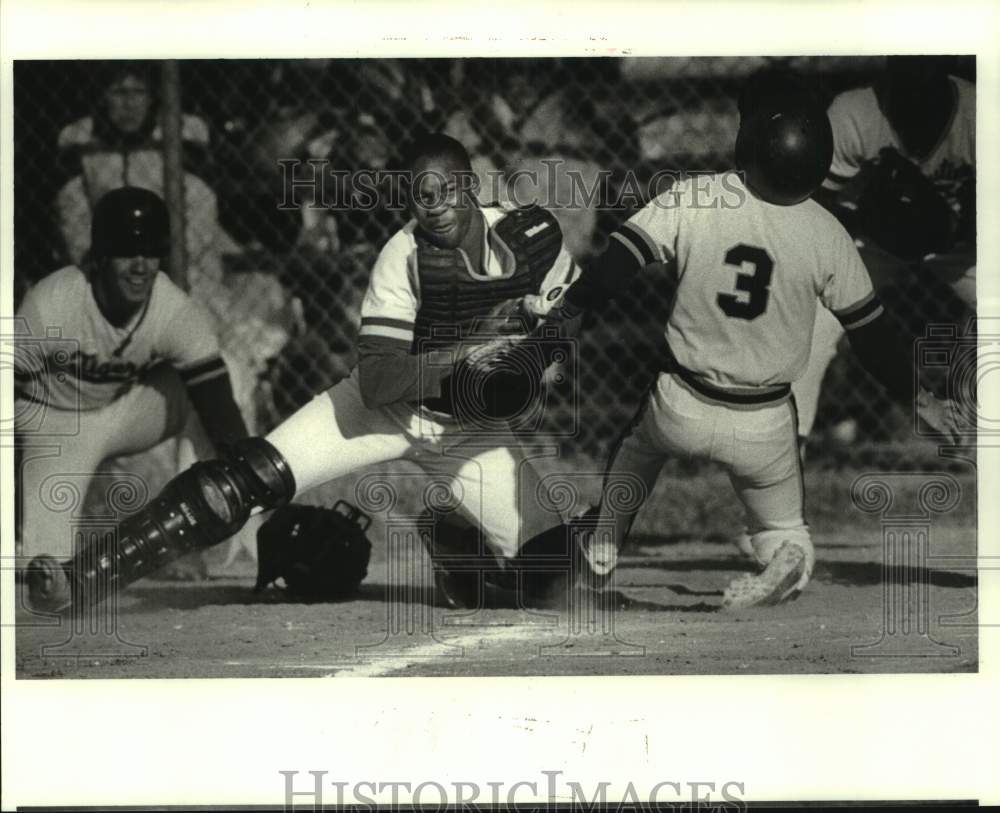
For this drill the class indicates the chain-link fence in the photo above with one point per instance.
(285, 283)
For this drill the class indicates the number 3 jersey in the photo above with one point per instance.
(749, 275)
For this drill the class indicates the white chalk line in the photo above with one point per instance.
(449, 650)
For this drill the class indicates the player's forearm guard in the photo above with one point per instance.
(199, 508)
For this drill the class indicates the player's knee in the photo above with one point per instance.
(765, 544)
(222, 493)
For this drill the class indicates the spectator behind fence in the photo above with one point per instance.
(121, 144)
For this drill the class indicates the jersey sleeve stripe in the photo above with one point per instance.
(641, 241)
(861, 313)
(861, 321)
(639, 259)
(835, 182)
(387, 332)
(369, 341)
(194, 380)
(385, 321)
(200, 366)
(203, 371)
(842, 313)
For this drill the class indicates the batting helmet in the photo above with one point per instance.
(130, 222)
(785, 142)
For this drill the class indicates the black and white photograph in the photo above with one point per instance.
(495, 366)
(602, 364)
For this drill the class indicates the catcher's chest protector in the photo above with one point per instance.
(528, 239)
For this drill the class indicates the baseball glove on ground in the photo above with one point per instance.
(319, 553)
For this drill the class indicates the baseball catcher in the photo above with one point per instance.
(420, 392)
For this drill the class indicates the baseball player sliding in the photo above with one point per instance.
(753, 256)
(111, 356)
(434, 281)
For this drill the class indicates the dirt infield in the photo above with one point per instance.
(666, 617)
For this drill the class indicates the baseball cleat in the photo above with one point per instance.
(457, 590)
(744, 544)
(777, 583)
(599, 559)
(49, 588)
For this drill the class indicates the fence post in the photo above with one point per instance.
(173, 171)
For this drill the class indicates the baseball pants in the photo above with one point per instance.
(491, 479)
(757, 446)
(827, 332)
(61, 450)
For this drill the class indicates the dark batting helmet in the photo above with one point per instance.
(785, 142)
(130, 222)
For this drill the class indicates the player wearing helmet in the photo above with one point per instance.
(451, 266)
(753, 258)
(110, 357)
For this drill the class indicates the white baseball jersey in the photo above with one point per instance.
(860, 130)
(94, 362)
(749, 277)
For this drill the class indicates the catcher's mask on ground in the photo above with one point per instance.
(319, 553)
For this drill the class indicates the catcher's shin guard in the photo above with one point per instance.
(199, 508)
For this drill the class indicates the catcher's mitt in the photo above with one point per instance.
(496, 377)
(319, 553)
(902, 211)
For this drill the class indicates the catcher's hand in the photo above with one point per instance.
(319, 553)
(939, 414)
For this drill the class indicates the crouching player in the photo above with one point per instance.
(112, 356)
(416, 393)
